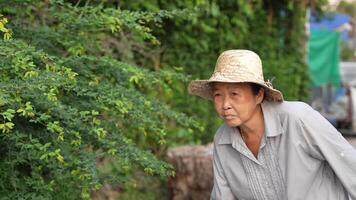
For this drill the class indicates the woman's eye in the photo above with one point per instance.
(234, 93)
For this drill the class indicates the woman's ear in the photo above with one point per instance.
(260, 96)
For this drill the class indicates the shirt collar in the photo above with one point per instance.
(273, 125)
(226, 135)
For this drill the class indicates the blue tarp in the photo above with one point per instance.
(329, 22)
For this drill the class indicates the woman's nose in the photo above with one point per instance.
(226, 104)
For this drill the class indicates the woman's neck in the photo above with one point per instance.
(254, 127)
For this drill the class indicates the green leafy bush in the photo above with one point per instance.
(67, 101)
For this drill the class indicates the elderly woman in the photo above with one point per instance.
(268, 148)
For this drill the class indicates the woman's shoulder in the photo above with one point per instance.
(295, 109)
(223, 134)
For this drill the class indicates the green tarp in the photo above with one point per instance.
(323, 57)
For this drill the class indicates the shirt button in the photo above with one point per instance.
(342, 154)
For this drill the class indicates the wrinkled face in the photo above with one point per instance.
(235, 102)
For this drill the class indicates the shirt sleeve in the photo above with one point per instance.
(221, 189)
(326, 143)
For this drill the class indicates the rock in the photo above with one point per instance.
(194, 172)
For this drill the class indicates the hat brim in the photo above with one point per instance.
(203, 89)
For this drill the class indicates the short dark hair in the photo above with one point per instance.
(255, 88)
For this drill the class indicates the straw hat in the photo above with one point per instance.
(236, 66)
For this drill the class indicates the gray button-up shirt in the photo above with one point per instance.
(314, 160)
(264, 175)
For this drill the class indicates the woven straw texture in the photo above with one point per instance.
(236, 66)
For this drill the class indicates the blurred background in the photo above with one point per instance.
(93, 96)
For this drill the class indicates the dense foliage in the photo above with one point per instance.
(348, 49)
(90, 90)
(66, 101)
(274, 29)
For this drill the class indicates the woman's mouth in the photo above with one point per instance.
(229, 117)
